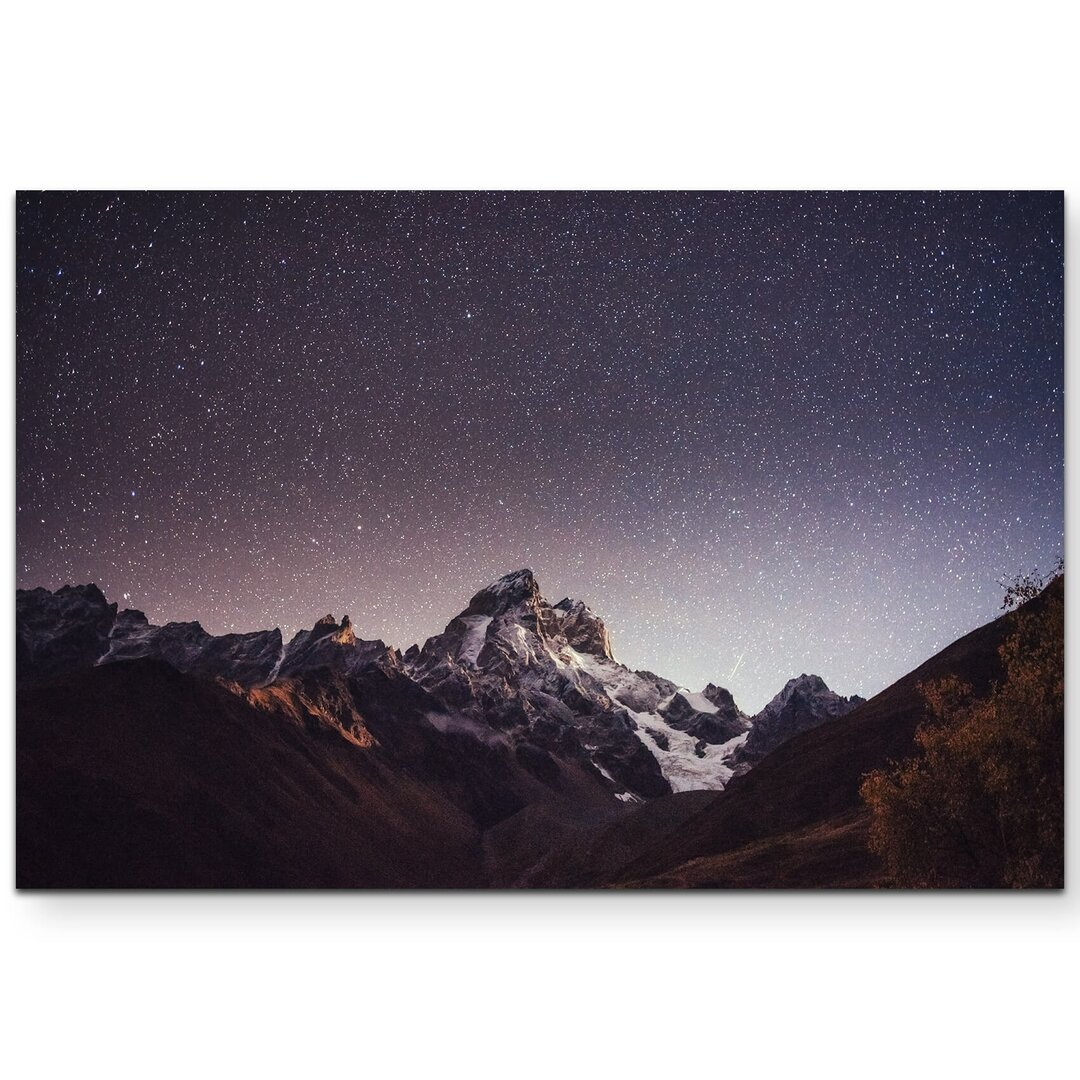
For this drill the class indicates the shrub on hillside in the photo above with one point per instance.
(983, 803)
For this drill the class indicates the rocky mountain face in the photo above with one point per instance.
(517, 700)
(333, 646)
(247, 659)
(62, 631)
(803, 704)
(545, 674)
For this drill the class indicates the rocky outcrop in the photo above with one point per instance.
(582, 628)
(705, 718)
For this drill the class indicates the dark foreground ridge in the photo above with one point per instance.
(511, 750)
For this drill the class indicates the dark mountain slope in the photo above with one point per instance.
(829, 854)
(133, 775)
(552, 846)
(485, 773)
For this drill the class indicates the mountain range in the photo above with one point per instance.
(512, 749)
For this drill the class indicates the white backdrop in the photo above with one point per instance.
(558, 94)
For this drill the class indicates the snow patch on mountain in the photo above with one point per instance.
(699, 702)
(688, 764)
(473, 641)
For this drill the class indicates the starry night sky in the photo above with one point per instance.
(810, 431)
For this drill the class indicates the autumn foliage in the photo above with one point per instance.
(982, 804)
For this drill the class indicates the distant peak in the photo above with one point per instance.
(809, 682)
(804, 686)
(328, 625)
(719, 696)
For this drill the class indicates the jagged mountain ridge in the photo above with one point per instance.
(539, 678)
(243, 658)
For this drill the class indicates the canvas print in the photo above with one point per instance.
(539, 540)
